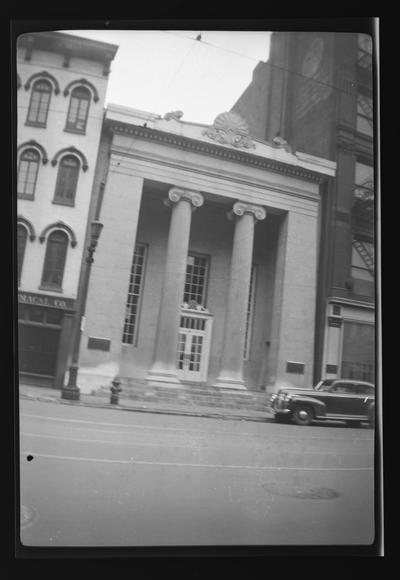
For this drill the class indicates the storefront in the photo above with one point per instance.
(44, 337)
(350, 341)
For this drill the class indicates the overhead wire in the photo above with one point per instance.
(296, 73)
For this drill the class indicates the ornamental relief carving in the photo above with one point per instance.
(232, 129)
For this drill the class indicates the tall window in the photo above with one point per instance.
(196, 279)
(27, 173)
(363, 199)
(250, 310)
(365, 123)
(22, 236)
(129, 334)
(54, 262)
(39, 104)
(78, 110)
(358, 356)
(67, 180)
(365, 51)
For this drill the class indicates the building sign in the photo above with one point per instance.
(295, 367)
(30, 298)
(98, 343)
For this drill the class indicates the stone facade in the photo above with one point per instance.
(251, 213)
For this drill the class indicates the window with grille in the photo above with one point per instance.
(129, 335)
(39, 103)
(365, 51)
(54, 262)
(365, 122)
(196, 279)
(67, 180)
(22, 236)
(27, 173)
(250, 311)
(78, 110)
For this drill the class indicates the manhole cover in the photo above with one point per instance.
(28, 516)
(293, 490)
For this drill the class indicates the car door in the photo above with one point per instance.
(344, 400)
(366, 395)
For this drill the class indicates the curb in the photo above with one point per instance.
(159, 411)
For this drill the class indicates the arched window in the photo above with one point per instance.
(67, 180)
(54, 262)
(27, 173)
(22, 236)
(78, 110)
(39, 104)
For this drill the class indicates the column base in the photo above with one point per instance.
(227, 383)
(70, 394)
(162, 378)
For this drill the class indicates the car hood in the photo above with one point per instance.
(286, 390)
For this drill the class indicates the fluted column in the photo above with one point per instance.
(183, 202)
(231, 370)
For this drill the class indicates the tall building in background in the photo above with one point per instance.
(61, 82)
(314, 94)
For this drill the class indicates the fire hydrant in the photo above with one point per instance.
(115, 390)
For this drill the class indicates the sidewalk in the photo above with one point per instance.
(97, 400)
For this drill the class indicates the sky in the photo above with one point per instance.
(162, 71)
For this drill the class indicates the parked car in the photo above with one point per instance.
(331, 399)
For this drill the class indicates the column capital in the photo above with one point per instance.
(257, 211)
(175, 194)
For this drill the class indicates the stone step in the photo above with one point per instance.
(192, 396)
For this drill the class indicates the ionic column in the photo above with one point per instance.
(183, 203)
(231, 371)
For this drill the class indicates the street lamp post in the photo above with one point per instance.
(71, 391)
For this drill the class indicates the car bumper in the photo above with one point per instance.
(281, 411)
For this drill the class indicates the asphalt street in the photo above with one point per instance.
(103, 477)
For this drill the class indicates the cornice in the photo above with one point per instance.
(85, 83)
(43, 75)
(72, 151)
(222, 174)
(59, 226)
(219, 151)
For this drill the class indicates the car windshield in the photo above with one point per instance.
(324, 385)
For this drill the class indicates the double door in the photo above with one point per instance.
(193, 347)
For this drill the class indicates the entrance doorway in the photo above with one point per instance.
(194, 346)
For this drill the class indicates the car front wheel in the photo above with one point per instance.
(303, 415)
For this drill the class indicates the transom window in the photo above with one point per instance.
(39, 103)
(129, 335)
(54, 262)
(78, 110)
(196, 279)
(67, 180)
(27, 173)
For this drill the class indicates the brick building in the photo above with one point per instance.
(205, 272)
(61, 85)
(315, 93)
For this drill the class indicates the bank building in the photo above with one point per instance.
(205, 272)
